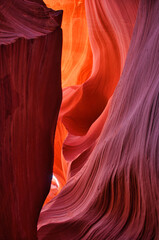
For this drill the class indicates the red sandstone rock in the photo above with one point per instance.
(30, 97)
(85, 107)
(115, 194)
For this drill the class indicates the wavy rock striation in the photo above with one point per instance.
(76, 68)
(110, 28)
(30, 98)
(115, 194)
(84, 108)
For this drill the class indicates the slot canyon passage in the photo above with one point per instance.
(79, 119)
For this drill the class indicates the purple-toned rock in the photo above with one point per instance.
(115, 195)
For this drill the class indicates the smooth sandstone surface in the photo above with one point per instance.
(115, 193)
(109, 118)
(30, 98)
(95, 43)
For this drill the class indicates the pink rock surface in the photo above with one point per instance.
(30, 97)
(85, 107)
(115, 194)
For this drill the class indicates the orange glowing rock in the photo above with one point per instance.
(115, 193)
(89, 82)
(84, 108)
(76, 68)
(76, 54)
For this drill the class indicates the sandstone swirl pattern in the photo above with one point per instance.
(115, 193)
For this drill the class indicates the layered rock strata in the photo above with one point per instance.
(115, 194)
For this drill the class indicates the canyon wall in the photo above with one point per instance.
(114, 195)
(30, 98)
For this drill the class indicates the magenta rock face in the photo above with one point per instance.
(115, 195)
(30, 98)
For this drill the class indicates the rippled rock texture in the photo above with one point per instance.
(109, 36)
(112, 192)
(76, 68)
(30, 98)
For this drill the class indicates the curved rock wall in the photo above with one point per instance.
(115, 194)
